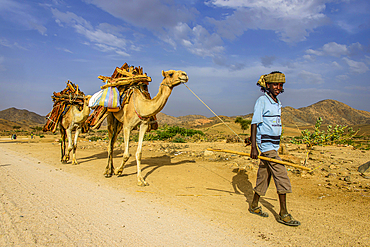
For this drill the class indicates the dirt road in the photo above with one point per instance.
(42, 205)
(192, 200)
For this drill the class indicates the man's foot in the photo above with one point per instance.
(258, 211)
(288, 220)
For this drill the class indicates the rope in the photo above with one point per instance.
(214, 113)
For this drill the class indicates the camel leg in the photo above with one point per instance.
(126, 154)
(143, 128)
(74, 147)
(114, 127)
(70, 147)
(63, 144)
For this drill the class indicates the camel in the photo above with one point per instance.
(137, 112)
(73, 120)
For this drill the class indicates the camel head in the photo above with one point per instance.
(87, 99)
(173, 78)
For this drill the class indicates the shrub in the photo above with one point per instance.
(174, 134)
(94, 138)
(244, 123)
(340, 134)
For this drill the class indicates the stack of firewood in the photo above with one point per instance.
(123, 78)
(126, 76)
(71, 95)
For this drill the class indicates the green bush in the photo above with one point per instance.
(174, 134)
(95, 138)
(340, 134)
(244, 123)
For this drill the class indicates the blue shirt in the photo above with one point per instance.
(267, 117)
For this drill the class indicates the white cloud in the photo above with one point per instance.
(310, 78)
(292, 20)
(337, 50)
(356, 67)
(104, 37)
(6, 43)
(151, 14)
(167, 22)
(21, 14)
(309, 57)
(196, 40)
(330, 49)
(65, 50)
(346, 26)
(336, 65)
(334, 49)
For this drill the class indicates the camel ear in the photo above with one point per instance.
(164, 74)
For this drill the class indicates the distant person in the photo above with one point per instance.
(265, 132)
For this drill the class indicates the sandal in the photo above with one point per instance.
(287, 219)
(258, 211)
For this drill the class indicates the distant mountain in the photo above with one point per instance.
(185, 121)
(22, 116)
(332, 112)
(163, 119)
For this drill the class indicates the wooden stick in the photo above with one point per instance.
(66, 97)
(124, 80)
(261, 157)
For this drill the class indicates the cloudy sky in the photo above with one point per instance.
(323, 47)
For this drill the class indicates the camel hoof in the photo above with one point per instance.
(142, 183)
(108, 175)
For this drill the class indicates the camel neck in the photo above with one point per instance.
(150, 107)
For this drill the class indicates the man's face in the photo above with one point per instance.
(275, 88)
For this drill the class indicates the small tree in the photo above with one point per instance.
(244, 123)
(340, 134)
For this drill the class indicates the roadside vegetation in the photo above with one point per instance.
(337, 135)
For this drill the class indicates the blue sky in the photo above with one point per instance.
(322, 46)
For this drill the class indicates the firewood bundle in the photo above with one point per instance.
(71, 95)
(124, 77)
(97, 117)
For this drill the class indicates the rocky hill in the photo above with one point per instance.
(21, 116)
(24, 119)
(332, 112)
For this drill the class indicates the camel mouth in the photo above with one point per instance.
(183, 79)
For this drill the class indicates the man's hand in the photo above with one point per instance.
(254, 152)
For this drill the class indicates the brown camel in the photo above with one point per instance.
(137, 112)
(73, 120)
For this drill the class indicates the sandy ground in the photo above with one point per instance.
(195, 198)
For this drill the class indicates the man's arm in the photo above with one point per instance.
(254, 150)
